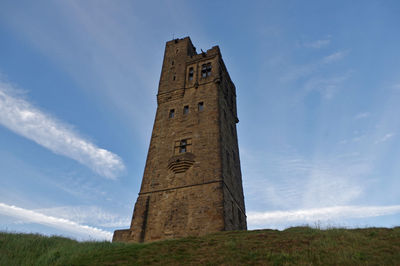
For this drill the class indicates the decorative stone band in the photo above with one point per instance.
(181, 163)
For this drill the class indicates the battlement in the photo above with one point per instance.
(191, 49)
(185, 42)
(179, 57)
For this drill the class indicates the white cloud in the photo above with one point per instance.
(385, 138)
(362, 115)
(26, 120)
(276, 218)
(99, 44)
(396, 87)
(87, 215)
(83, 231)
(326, 86)
(334, 57)
(287, 181)
(318, 43)
(298, 71)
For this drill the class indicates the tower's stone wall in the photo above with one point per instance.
(192, 182)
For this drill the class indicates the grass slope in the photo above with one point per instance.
(294, 246)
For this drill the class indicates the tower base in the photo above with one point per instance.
(123, 235)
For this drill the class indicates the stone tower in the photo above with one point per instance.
(192, 182)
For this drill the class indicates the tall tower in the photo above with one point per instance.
(192, 182)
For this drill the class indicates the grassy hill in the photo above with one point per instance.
(297, 245)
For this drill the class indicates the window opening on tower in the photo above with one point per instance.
(191, 72)
(182, 146)
(240, 218)
(171, 113)
(200, 106)
(186, 109)
(206, 70)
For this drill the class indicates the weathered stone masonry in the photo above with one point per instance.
(192, 182)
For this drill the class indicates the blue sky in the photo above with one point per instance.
(318, 87)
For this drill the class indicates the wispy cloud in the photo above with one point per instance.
(362, 115)
(385, 138)
(396, 87)
(83, 231)
(303, 183)
(26, 120)
(98, 44)
(298, 71)
(87, 215)
(326, 86)
(334, 57)
(318, 43)
(276, 218)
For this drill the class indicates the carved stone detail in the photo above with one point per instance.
(181, 163)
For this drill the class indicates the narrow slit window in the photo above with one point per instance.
(200, 106)
(174, 77)
(228, 161)
(233, 213)
(240, 218)
(191, 72)
(171, 113)
(186, 109)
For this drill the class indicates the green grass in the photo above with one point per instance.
(294, 246)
